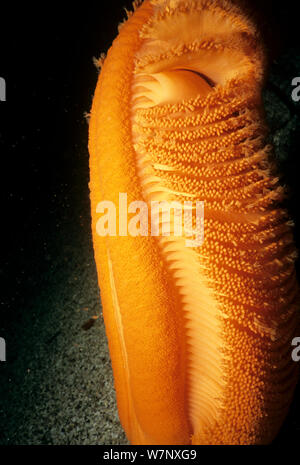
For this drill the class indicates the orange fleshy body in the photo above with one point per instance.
(199, 338)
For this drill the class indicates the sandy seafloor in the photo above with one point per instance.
(57, 385)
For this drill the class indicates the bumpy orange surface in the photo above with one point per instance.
(199, 338)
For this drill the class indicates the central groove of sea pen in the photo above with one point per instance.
(202, 327)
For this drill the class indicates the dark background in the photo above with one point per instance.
(56, 386)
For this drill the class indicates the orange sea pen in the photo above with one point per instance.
(199, 338)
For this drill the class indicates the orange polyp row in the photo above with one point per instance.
(199, 337)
